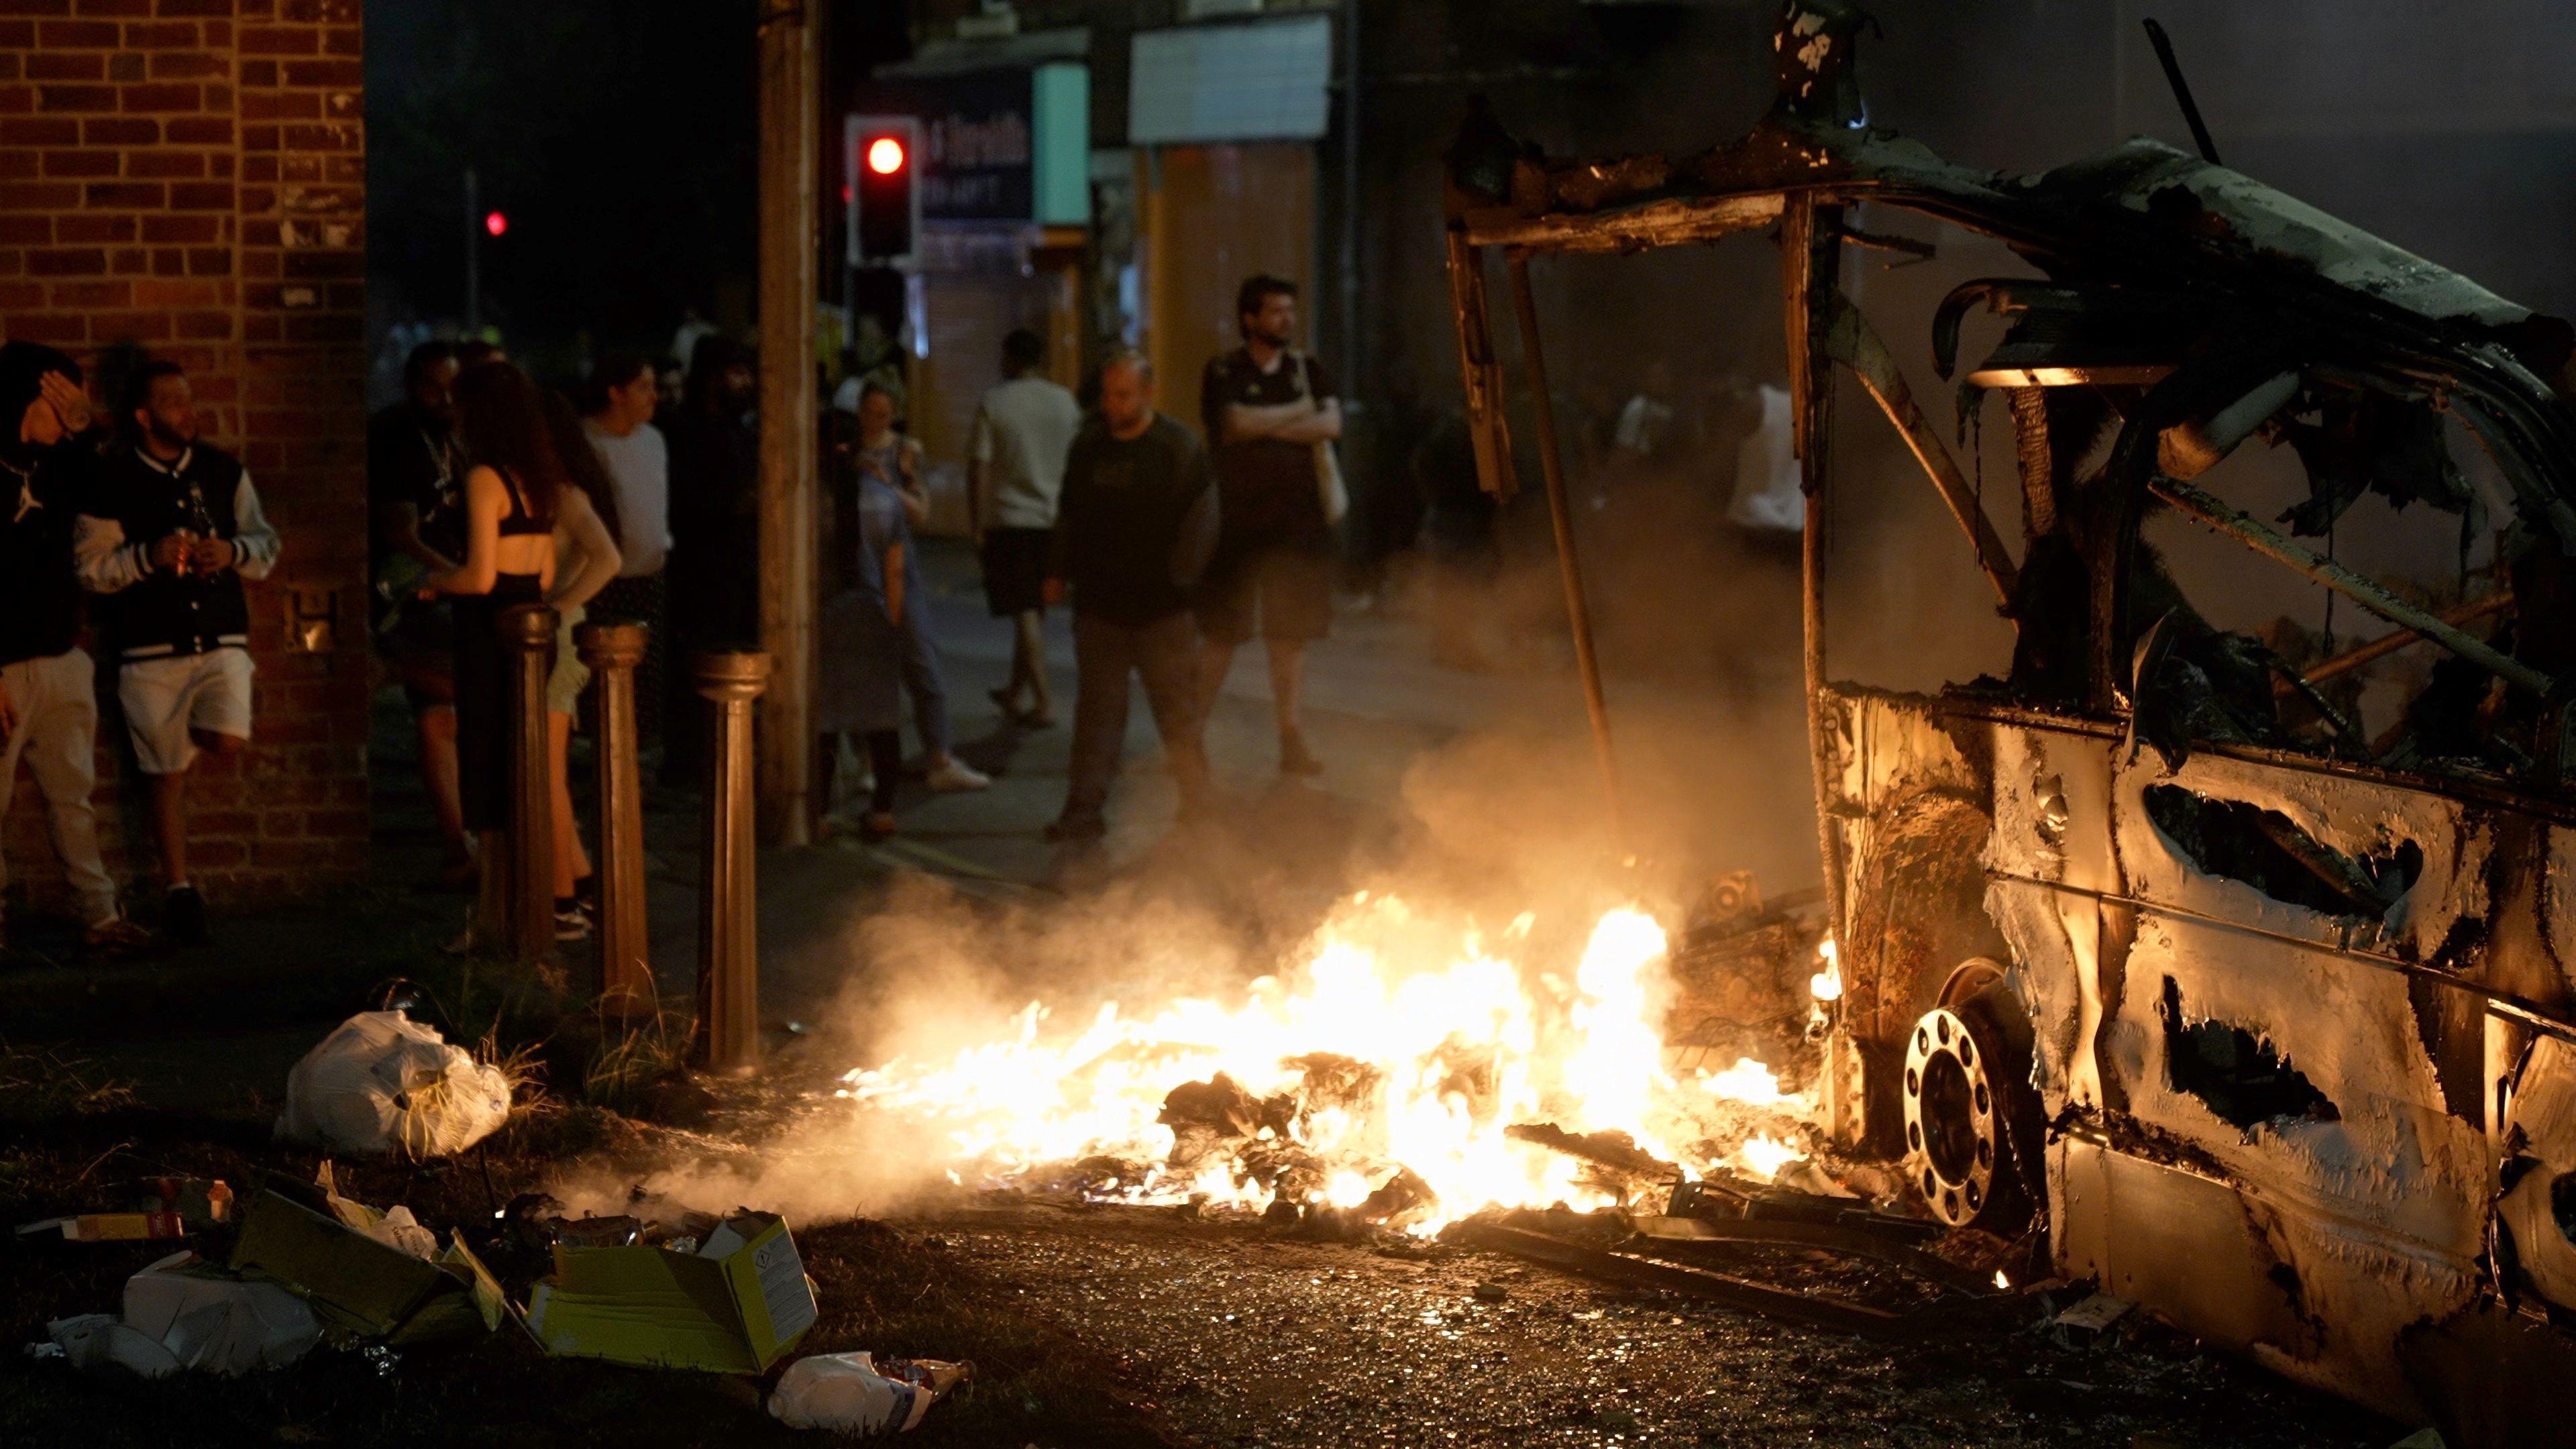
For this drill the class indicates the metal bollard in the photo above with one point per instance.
(528, 634)
(626, 985)
(728, 1034)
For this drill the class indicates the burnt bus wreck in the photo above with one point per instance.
(2236, 961)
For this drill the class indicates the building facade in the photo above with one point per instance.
(186, 178)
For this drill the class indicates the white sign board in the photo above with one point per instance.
(1263, 81)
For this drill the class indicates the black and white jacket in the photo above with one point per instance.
(140, 500)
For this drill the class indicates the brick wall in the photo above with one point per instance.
(188, 176)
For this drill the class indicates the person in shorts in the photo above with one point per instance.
(172, 531)
(1014, 471)
(1264, 407)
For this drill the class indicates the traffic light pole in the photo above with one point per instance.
(789, 122)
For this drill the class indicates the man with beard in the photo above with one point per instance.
(1265, 408)
(48, 690)
(173, 529)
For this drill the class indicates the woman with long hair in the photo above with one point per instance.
(586, 559)
(513, 489)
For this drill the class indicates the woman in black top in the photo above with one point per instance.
(510, 494)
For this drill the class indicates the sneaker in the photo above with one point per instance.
(574, 920)
(183, 916)
(955, 775)
(1296, 759)
(1070, 828)
(112, 938)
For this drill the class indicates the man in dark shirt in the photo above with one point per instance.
(1133, 530)
(48, 690)
(1266, 408)
(416, 503)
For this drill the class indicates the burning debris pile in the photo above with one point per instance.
(1407, 1072)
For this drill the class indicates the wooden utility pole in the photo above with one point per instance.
(789, 67)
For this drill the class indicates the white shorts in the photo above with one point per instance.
(166, 699)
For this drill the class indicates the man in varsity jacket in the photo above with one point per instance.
(171, 531)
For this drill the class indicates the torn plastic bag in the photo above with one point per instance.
(186, 1313)
(383, 1081)
(856, 1393)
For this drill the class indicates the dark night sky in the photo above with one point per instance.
(616, 136)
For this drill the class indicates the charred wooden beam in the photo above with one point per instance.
(1675, 222)
(1488, 430)
(2395, 640)
(1561, 515)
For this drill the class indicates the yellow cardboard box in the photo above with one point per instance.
(361, 1286)
(735, 1306)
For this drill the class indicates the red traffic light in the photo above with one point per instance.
(495, 223)
(885, 155)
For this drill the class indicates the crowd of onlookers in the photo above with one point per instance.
(634, 494)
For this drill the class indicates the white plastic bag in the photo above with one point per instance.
(182, 1314)
(383, 1081)
(847, 1393)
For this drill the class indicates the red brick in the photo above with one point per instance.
(209, 261)
(124, 193)
(76, 98)
(341, 40)
(200, 130)
(17, 36)
(66, 65)
(39, 131)
(160, 35)
(328, 137)
(20, 231)
(208, 325)
(185, 65)
(54, 327)
(93, 295)
(17, 165)
(189, 164)
(126, 261)
(201, 196)
(80, 163)
(163, 96)
(176, 294)
(179, 228)
(259, 72)
(125, 65)
(76, 35)
(21, 296)
(38, 195)
(169, 262)
(132, 326)
(115, 7)
(120, 131)
(195, 7)
(325, 73)
(17, 100)
(66, 262)
(279, 40)
(78, 228)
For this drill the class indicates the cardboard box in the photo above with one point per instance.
(735, 1306)
(358, 1285)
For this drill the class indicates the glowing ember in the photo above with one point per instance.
(1398, 1045)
